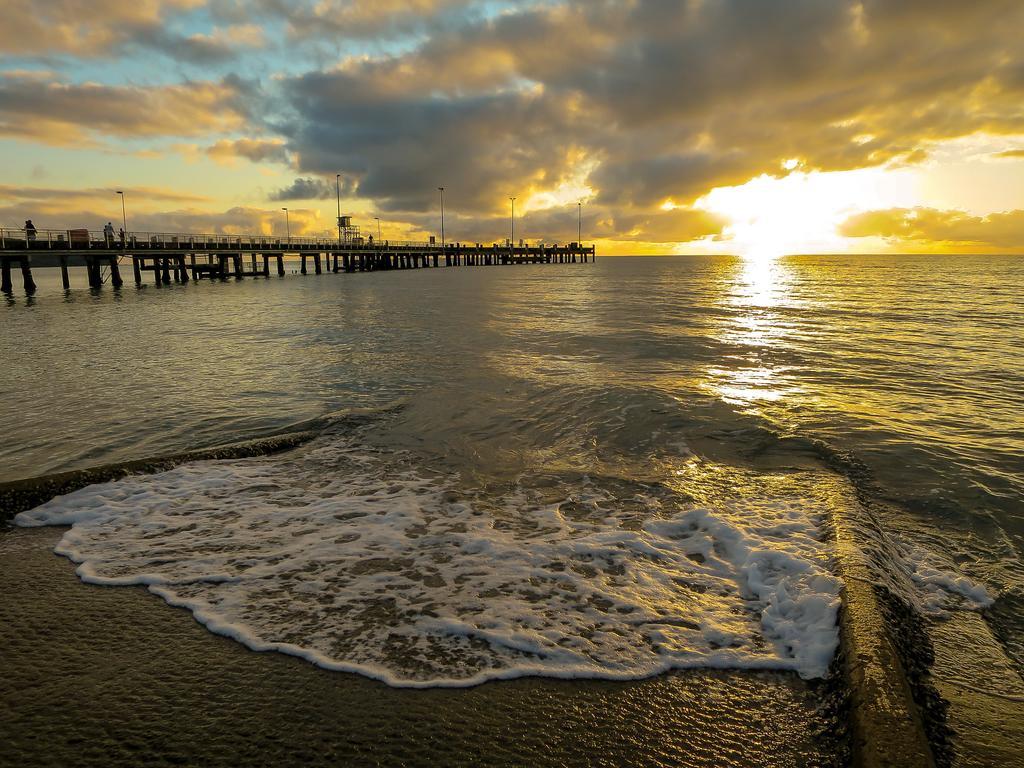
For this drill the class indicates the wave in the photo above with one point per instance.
(356, 559)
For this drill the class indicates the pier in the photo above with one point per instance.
(179, 257)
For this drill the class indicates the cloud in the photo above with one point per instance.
(312, 189)
(255, 150)
(559, 224)
(220, 44)
(45, 195)
(664, 100)
(55, 208)
(929, 227)
(234, 221)
(401, 149)
(634, 103)
(334, 20)
(238, 220)
(105, 28)
(66, 113)
(1011, 154)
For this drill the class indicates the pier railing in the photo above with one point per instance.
(171, 256)
(16, 238)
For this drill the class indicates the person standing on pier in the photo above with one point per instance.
(30, 232)
(121, 235)
(108, 234)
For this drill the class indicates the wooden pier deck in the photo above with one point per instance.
(178, 257)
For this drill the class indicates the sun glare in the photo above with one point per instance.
(800, 212)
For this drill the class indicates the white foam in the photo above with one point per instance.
(380, 570)
(940, 587)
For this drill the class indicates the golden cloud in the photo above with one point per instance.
(81, 27)
(930, 227)
(64, 113)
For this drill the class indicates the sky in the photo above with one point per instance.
(750, 127)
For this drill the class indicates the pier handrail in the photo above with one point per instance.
(15, 238)
(225, 254)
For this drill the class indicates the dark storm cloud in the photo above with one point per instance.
(312, 189)
(402, 147)
(648, 181)
(255, 150)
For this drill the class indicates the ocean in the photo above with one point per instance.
(581, 471)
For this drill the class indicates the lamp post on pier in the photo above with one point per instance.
(338, 183)
(287, 226)
(377, 219)
(579, 224)
(124, 219)
(441, 192)
(512, 226)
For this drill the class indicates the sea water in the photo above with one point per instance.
(604, 470)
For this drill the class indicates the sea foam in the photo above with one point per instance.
(379, 568)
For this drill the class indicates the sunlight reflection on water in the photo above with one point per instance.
(757, 292)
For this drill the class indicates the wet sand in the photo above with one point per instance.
(114, 676)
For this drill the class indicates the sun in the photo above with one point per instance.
(799, 212)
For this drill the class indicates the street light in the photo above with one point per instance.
(441, 191)
(579, 223)
(512, 223)
(377, 219)
(287, 226)
(338, 181)
(124, 219)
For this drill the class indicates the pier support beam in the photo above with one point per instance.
(92, 269)
(64, 273)
(26, 275)
(115, 273)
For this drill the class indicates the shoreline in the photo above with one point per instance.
(113, 676)
(885, 723)
(21, 495)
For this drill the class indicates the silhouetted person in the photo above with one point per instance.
(30, 231)
(122, 236)
(108, 234)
